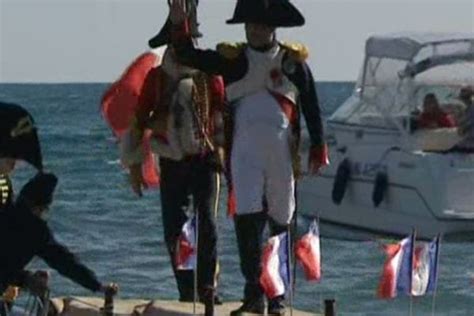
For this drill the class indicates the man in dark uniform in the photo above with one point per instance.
(24, 234)
(18, 140)
(268, 86)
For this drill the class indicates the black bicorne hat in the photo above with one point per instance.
(164, 35)
(18, 136)
(39, 190)
(275, 13)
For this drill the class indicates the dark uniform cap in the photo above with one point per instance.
(39, 190)
(274, 13)
(18, 137)
(164, 35)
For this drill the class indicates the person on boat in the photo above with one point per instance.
(183, 108)
(18, 141)
(432, 116)
(268, 85)
(466, 120)
(24, 234)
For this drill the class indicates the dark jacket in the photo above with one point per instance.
(24, 236)
(234, 69)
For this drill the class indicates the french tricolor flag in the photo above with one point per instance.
(397, 270)
(186, 251)
(425, 268)
(275, 276)
(308, 252)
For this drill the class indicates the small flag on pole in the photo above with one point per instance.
(308, 252)
(397, 270)
(186, 251)
(425, 268)
(275, 276)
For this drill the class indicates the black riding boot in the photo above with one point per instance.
(249, 229)
(276, 305)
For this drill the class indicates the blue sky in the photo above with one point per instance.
(94, 40)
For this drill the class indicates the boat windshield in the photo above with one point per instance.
(398, 73)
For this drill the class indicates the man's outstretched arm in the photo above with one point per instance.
(62, 260)
(208, 61)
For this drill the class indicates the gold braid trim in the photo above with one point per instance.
(296, 160)
(137, 126)
(202, 109)
(5, 190)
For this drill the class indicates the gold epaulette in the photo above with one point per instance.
(297, 51)
(230, 50)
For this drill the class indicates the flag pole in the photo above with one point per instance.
(290, 248)
(413, 239)
(433, 306)
(216, 211)
(195, 274)
(321, 260)
(295, 231)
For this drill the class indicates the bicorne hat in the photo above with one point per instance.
(275, 13)
(18, 136)
(164, 35)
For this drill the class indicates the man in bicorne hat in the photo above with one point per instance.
(18, 141)
(182, 108)
(268, 86)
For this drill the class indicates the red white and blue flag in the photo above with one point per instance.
(425, 268)
(186, 252)
(308, 252)
(275, 276)
(397, 270)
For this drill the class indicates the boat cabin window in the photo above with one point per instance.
(436, 102)
(452, 130)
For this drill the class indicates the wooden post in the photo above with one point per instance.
(330, 307)
(108, 309)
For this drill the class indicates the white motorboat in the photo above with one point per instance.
(388, 177)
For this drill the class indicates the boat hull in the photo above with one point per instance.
(432, 193)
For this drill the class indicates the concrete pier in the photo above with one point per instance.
(87, 306)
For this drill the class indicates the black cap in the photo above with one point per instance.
(39, 190)
(18, 136)
(275, 13)
(164, 35)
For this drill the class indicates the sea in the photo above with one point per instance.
(120, 236)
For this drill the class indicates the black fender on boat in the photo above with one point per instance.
(340, 183)
(380, 188)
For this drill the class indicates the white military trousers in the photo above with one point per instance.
(261, 163)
